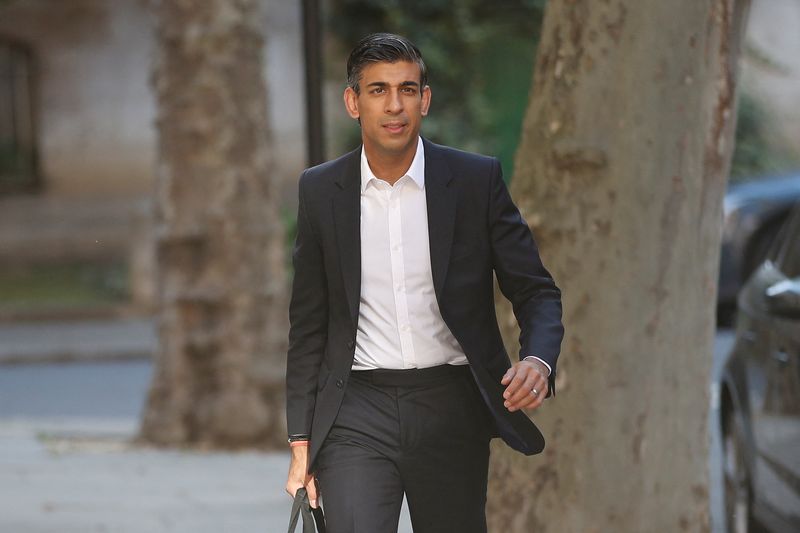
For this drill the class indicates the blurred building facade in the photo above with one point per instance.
(77, 135)
(771, 65)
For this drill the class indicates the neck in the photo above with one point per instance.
(390, 167)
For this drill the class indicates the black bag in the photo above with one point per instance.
(311, 517)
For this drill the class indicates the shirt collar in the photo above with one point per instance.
(416, 171)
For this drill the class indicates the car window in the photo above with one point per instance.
(788, 249)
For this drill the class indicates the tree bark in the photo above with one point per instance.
(221, 275)
(620, 172)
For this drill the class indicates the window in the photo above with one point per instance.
(17, 136)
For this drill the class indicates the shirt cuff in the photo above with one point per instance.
(549, 370)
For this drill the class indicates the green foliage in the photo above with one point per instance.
(755, 153)
(480, 58)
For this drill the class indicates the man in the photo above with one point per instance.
(396, 375)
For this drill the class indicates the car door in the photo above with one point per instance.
(776, 421)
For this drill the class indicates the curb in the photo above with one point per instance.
(73, 357)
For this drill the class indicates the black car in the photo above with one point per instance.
(760, 395)
(754, 212)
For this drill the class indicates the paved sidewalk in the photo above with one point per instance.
(83, 475)
(57, 478)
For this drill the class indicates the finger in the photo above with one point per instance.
(517, 381)
(523, 393)
(539, 400)
(509, 375)
(525, 398)
(522, 396)
(311, 488)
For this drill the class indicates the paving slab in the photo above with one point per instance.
(73, 475)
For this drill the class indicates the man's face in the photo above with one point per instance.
(391, 105)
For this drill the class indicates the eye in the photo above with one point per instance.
(409, 90)
(378, 90)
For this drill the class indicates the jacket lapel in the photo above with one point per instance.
(347, 220)
(441, 202)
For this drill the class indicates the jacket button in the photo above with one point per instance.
(339, 383)
(351, 344)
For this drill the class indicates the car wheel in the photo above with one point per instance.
(736, 478)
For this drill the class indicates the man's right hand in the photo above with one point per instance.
(299, 476)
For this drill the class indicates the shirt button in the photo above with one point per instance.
(339, 383)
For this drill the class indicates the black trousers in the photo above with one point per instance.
(422, 432)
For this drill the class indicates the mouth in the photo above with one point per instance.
(394, 127)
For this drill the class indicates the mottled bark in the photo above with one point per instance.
(620, 173)
(221, 276)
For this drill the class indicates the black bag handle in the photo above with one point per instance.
(313, 519)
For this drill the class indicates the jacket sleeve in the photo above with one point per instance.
(523, 278)
(308, 322)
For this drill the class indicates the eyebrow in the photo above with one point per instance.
(384, 84)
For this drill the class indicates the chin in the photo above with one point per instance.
(399, 143)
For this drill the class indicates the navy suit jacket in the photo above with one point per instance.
(474, 229)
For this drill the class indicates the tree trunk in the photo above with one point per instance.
(620, 172)
(221, 276)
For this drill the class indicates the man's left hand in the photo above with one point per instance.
(526, 385)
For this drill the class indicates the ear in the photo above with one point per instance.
(426, 100)
(351, 102)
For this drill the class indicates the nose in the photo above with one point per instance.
(394, 104)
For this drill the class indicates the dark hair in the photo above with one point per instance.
(383, 47)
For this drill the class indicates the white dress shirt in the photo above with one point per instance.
(399, 322)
